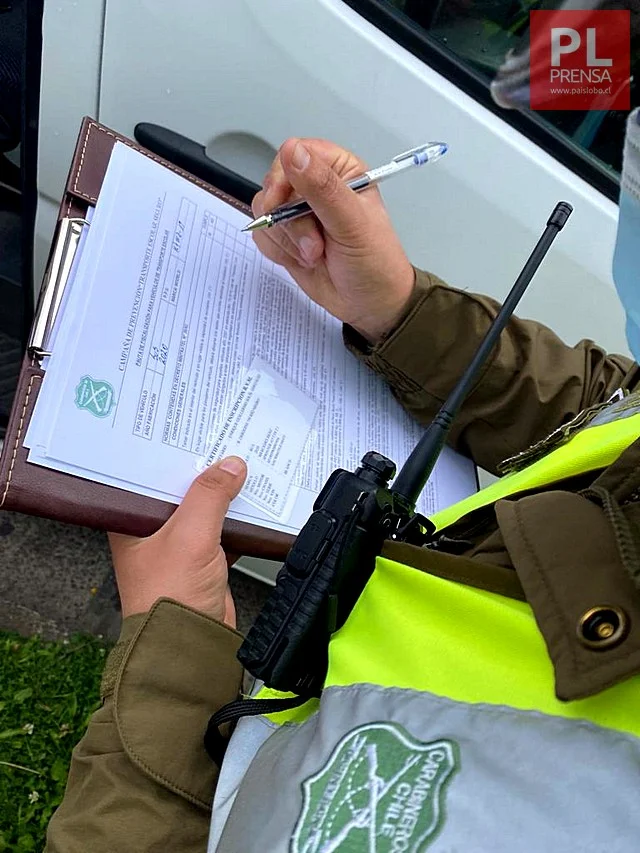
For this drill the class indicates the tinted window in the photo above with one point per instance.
(467, 40)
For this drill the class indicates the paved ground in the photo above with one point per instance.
(57, 579)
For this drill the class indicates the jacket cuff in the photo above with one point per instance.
(130, 627)
(388, 357)
(361, 347)
(177, 669)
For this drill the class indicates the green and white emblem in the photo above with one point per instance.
(95, 396)
(382, 791)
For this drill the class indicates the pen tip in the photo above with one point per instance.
(260, 222)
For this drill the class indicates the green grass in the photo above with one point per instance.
(48, 691)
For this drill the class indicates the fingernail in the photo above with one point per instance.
(232, 465)
(307, 246)
(300, 157)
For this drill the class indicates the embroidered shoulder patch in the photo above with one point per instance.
(381, 790)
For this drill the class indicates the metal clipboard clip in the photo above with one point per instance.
(55, 280)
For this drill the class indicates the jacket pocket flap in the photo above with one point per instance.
(564, 549)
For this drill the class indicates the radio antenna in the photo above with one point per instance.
(417, 469)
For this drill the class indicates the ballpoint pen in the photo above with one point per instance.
(428, 153)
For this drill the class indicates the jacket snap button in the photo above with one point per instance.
(603, 627)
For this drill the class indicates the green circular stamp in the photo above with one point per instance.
(95, 396)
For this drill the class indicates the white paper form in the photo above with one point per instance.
(71, 313)
(72, 300)
(178, 304)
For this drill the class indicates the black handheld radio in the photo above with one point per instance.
(334, 554)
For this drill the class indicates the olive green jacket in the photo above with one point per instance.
(140, 779)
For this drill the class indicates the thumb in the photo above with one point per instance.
(206, 503)
(336, 206)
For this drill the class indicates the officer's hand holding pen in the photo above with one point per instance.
(347, 257)
(418, 156)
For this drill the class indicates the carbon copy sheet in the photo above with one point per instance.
(268, 425)
(172, 312)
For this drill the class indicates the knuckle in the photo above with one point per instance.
(327, 183)
(215, 481)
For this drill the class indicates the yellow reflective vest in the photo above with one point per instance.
(438, 725)
(480, 646)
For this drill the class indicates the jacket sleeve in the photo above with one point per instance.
(533, 382)
(140, 778)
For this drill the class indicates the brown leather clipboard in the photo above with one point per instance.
(35, 490)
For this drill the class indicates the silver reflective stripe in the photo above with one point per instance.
(248, 737)
(394, 771)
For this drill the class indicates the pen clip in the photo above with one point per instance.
(54, 283)
(419, 149)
